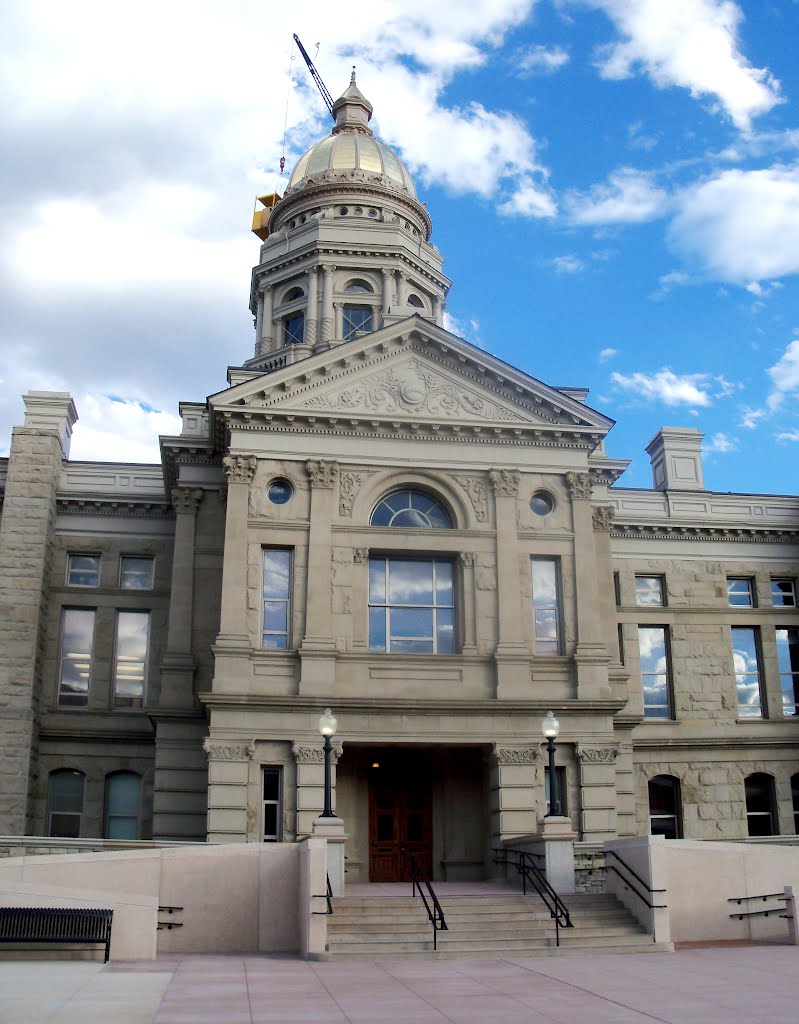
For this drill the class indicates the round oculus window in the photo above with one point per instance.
(279, 492)
(542, 503)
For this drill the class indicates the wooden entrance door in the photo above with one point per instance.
(400, 823)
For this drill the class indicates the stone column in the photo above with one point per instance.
(597, 791)
(386, 290)
(177, 666)
(437, 311)
(228, 776)
(266, 341)
(513, 779)
(26, 549)
(512, 652)
(259, 319)
(312, 309)
(400, 278)
(318, 649)
(338, 317)
(327, 308)
(591, 654)
(469, 645)
(239, 470)
(310, 759)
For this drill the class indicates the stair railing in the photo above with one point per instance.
(740, 915)
(634, 882)
(434, 912)
(532, 875)
(328, 896)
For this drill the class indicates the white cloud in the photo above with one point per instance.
(529, 200)
(720, 444)
(607, 353)
(540, 60)
(743, 226)
(667, 282)
(784, 377)
(751, 417)
(568, 264)
(667, 387)
(788, 436)
(117, 429)
(629, 197)
(692, 44)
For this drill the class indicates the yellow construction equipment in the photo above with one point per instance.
(260, 217)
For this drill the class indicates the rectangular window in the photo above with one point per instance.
(136, 573)
(130, 658)
(65, 809)
(620, 630)
(411, 606)
(123, 806)
(788, 661)
(83, 570)
(740, 592)
(75, 660)
(617, 589)
(783, 593)
(649, 591)
(276, 598)
(356, 319)
(746, 666)
(560, 775)
(546, 605)
(273, 805)
(653, 644)
(294, 329)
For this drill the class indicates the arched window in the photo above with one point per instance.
(664, 807)
(414, 300)
(123, 806)
(65, 805)
(293, 295)
(760, 816)
(294, 329)
(795, 799)
(411, 508)
(358, 286)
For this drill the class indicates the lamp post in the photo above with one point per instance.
(327, 727)
(550, 727)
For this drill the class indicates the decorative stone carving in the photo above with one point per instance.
(476, 490)
(466, 557)
(228, 751)
(416, 389)
(360, 555)
(516, 755)
(505, 482)
(603, 518)
(186, 499)
(322, 473)
(597, 755)
(348, 486)
(316, 755)
(239, 469)
(579, 485)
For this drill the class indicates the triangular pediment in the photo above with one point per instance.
(410, 372)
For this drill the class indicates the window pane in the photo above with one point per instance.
(412, 646)
(136, 573)
(783, 593)
(652, 644)
(414, 509)
(294, 329)
(739, 593)
(788, 661)
(277, 570)
(664, 806)
(77, 638)
(747, 671)
(83, 570)
(65, 826)
(377, 629)
(759, 793)
(410, 582)
(356, 318)
(275, 617)
(66, 804)
(123, 798)
(415, 622)
(277, 598)
(443, 583)
(272, 803)
(130, 661)
(546, 605)
(649, 590)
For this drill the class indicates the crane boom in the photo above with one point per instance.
(320, 85)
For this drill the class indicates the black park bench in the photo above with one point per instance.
(23, 925)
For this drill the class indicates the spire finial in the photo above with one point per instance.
(352, 76)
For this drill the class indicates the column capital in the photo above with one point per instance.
(596, 755)
(305, 753)
(186, 500)
(466, 557)
(603, 518)
(505, 482)
(515, 755)
(360, 555)
(322, 473)
(580, 486)
(228, 751)
(239, 469)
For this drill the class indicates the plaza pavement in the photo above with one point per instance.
(754, 984)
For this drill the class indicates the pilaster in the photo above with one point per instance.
(228, 775)
(327, 308)
(310, 760)
(317, 652)
(469, 645)
(239, 470)
(597, 766)
(312, 312)
(512, 652)
(266, 336)
(177, 666)
(513, 791)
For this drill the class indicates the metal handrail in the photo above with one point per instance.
(638, 879)
(328, 896)
(759, 913)
(436, 914)
(531, 873)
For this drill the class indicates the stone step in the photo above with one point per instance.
(501, 953)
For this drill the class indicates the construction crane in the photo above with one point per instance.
(320, 85)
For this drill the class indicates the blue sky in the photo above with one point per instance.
(614, 185)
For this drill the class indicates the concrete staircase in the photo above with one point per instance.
(484, 926)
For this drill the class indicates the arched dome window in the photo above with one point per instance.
(293, 295)
(358, 286)
(411, 508)
(414, 300)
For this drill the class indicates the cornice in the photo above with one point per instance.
(319, 253)
(388, 705)
(714, 743)
(332, 185)
(681, 532)
(114, 506)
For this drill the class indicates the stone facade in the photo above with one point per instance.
(356, 393)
